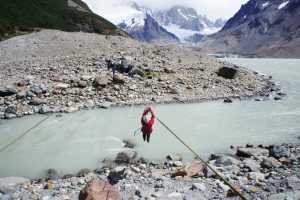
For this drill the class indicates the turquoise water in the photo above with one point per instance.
(84, 139)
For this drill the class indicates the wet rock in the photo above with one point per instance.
(35, 101)
(227, 72)
(51, 174)
(227, 100)
(116, 175)
(279, 151)
(9, 184)
(7, 91)
(99, 190)
(11, 109)
(44, 109)
(174, 157)
(125, 157)
(248, 152)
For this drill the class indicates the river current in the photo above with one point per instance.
(84, 139)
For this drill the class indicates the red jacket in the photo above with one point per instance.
(147, 127)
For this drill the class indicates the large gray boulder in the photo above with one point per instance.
(9, 184)
(11, 109)
(7, 91)
(35, 101)
(279, 152)
(248, 152)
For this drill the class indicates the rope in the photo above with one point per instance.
(18, 138)
(207, 164)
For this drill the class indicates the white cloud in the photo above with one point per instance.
(214, 9)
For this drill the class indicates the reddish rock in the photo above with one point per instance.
(118, 78)
(193, 169)
(57, 79)
(99, 190)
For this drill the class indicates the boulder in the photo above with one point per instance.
(35, 89)
(125, 156)
(11, 109)
(199, 186)
(9, 184)
(226, 161)
(24, 82)
(136, 71)
(21, 95)
(99, 190)
(269, 162)
(62, 86)
(118, 78)
(51, 174)
(227, 72)
(194, 169)
(116, 174)
(7, 91)
(35, 101)
(248, 152)
(127, 63)
(227, 100)
(100, 81)
(251, 165)
(44, 109)
(279, 151)
(84, 172)
(82, 84)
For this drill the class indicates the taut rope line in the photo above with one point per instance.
(208, 165)
(19, 137)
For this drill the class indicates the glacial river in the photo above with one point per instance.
(84, 139)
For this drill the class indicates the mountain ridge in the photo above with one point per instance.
(262, 28)
(66, 15)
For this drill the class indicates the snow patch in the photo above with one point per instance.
(180, 12)
(265, 4)
(283, 5)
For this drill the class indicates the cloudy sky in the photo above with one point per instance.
(214, 9)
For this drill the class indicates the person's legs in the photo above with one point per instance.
(148, 138)
(144, 136)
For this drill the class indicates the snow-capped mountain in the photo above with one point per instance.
(177, 24)
(183, 22)
(262, 27)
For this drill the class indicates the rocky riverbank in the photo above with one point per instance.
(53, 71)
(271, 172)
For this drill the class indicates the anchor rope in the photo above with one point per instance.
(207, 164)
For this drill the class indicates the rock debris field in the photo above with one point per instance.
(54, 71)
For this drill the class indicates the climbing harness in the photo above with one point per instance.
(22, 135)
(207, 164)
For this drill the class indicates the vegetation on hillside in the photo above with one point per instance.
(23, 16)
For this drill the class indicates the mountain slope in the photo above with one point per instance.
(261, 27)
(66, 15)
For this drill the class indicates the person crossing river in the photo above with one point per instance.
(147, 123)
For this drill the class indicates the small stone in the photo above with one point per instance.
(50, 186)
(44, 109)
(174, 195)
(199, 186)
